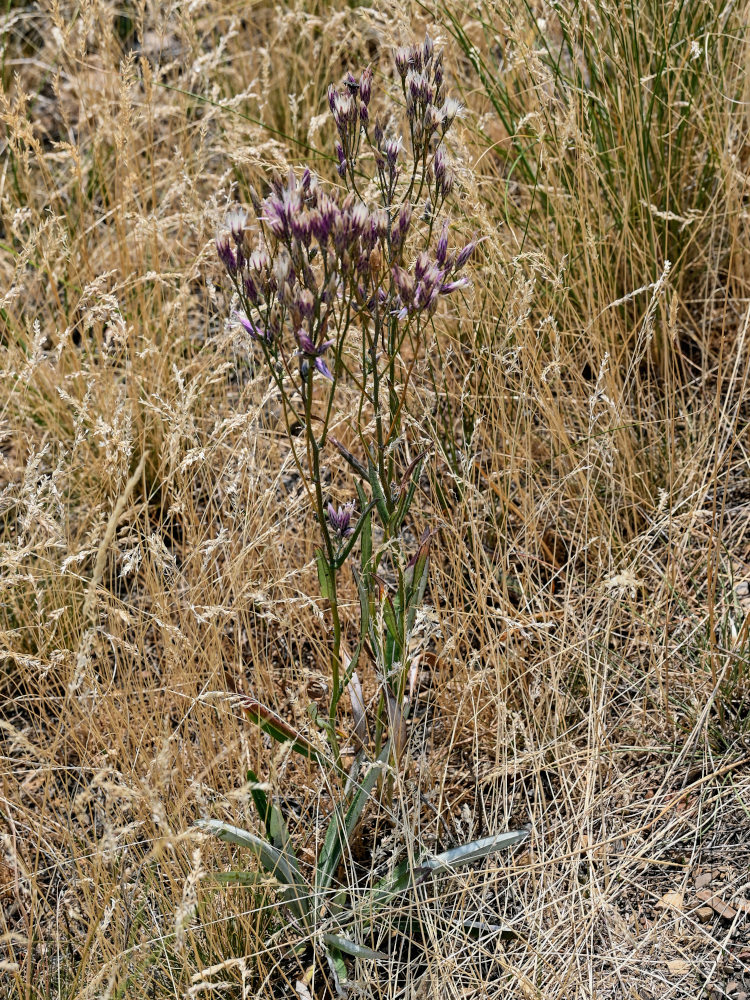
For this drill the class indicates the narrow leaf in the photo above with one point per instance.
(341, 827)
(353, 949)
(377, 492)
(325, 576)
(279, 729)
(389, 615)
(283, 867)
(396, 721)
(466, 853)
(351, 459)
(338, 969)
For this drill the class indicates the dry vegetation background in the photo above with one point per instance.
(584, 668)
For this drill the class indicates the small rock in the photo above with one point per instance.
(704, 914)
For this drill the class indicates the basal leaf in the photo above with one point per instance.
(283, 867)
(353, 949)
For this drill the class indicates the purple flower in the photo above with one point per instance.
(421, 265)
(452, 286)
(226, 253)
(340, 519)
(441, 250)
(467, 251)
(256, 332)
(439, 163)
(309, 350)
(342, 159)
(235, 223)
(450, 110)
(401, 57)
(391, 150)
(365, 86)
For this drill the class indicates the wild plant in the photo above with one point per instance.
(334, 286)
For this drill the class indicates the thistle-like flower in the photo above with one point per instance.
(308, 350)
(340, 520)
(235, 222)
(226, 253)
(256, 332)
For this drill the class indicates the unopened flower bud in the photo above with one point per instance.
(404, 218)
(226, 253)
(441, 251)
(250, 289)
(463, 255)
(342, 160)
(439, 163)
(306, 303)
(365, 86)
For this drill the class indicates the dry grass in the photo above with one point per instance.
(585, 671)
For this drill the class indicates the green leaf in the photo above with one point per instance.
(341, 827)
(353, 949)
(338, 969)
(377, 492)
(366, 550)
(364, 602)
(283, 867)
(362, 523)
(325, 576)
(270, 814)
(405, 873)
(467, 853)
(389, 615)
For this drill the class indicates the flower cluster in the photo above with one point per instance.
(420, 290)
(349, 108)
(319, 258)
(428, 110)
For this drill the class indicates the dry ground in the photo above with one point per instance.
(585, 666)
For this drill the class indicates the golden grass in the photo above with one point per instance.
(585, 667)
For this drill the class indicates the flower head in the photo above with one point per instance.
(340, 519)
(226, 254)
(235, 222)
(308, 350)
(256, 332)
